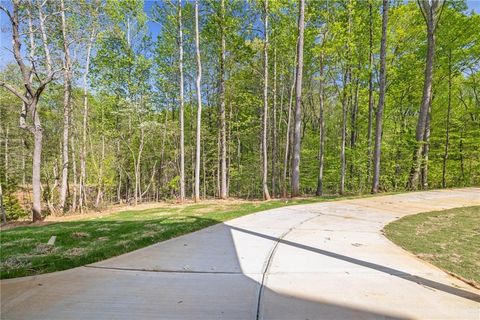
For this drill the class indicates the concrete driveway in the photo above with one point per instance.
(318, 261)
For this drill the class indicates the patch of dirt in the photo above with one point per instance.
(14, 263)
(455, 258)
(15, 224)
(143, 206)
(124, 243)
(78, 234)
(74, 252)
(149, 234)
(427, 256)
(43, 249)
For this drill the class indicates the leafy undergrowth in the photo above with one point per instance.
(449, 239)
(24, 250)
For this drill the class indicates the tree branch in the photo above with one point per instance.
(14, 91)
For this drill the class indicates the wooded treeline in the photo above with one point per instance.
(125, 101)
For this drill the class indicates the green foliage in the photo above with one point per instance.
(13, 209)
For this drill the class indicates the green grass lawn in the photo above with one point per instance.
(449, 239)
(24, 250)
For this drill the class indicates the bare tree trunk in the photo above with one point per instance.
(353, 122)
(344, 133)
(229, 146)
(266, 195)
(381, 100)
(447, 125)
(274, 122)
(67, 87)
(182, 131)
(431, 11)
(298, 102)
(138, 166)
(74, 171)
(345, 101)
(321, 120)
(199, 105)
(6, 154)
(425, 149)
(100, 174)
(223, 142)
(36, 171)
(287, 134)
(83, 155)
(24, 168)
(353, 131)
(370, 92)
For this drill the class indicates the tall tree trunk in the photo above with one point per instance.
(370, 91)
(7, 169)
(266, 194)
(24, 168)
(182, 131)
(274, 122)
(447, 125)
(353, 120)
(100, 173)
(431, 11)
(199, 105)
(353, 131)
(381, 100)
(321, 120)
(287, 134)
(67, 87)
(298, 102)
(74, 172)
(425, 150)
(83, 155)
(345, 101)
(36, 171)
(223, 134)
(344, 132)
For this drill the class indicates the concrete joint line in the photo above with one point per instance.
(163, 271)
(269, 260)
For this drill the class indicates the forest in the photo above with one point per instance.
(127, 101)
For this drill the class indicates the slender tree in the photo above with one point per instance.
(67, 88)
(199, 105)
(298, 102)
(274, 122)
(381, 100)
(370, 89)
(431, 11)
(223, 126)
(34, 84)
(182, 130)
(266, 194)
(287, 134)
(83, 155)
(447, 121)
(321, 119)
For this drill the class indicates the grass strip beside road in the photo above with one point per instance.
(449, 239)
(24, 250)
